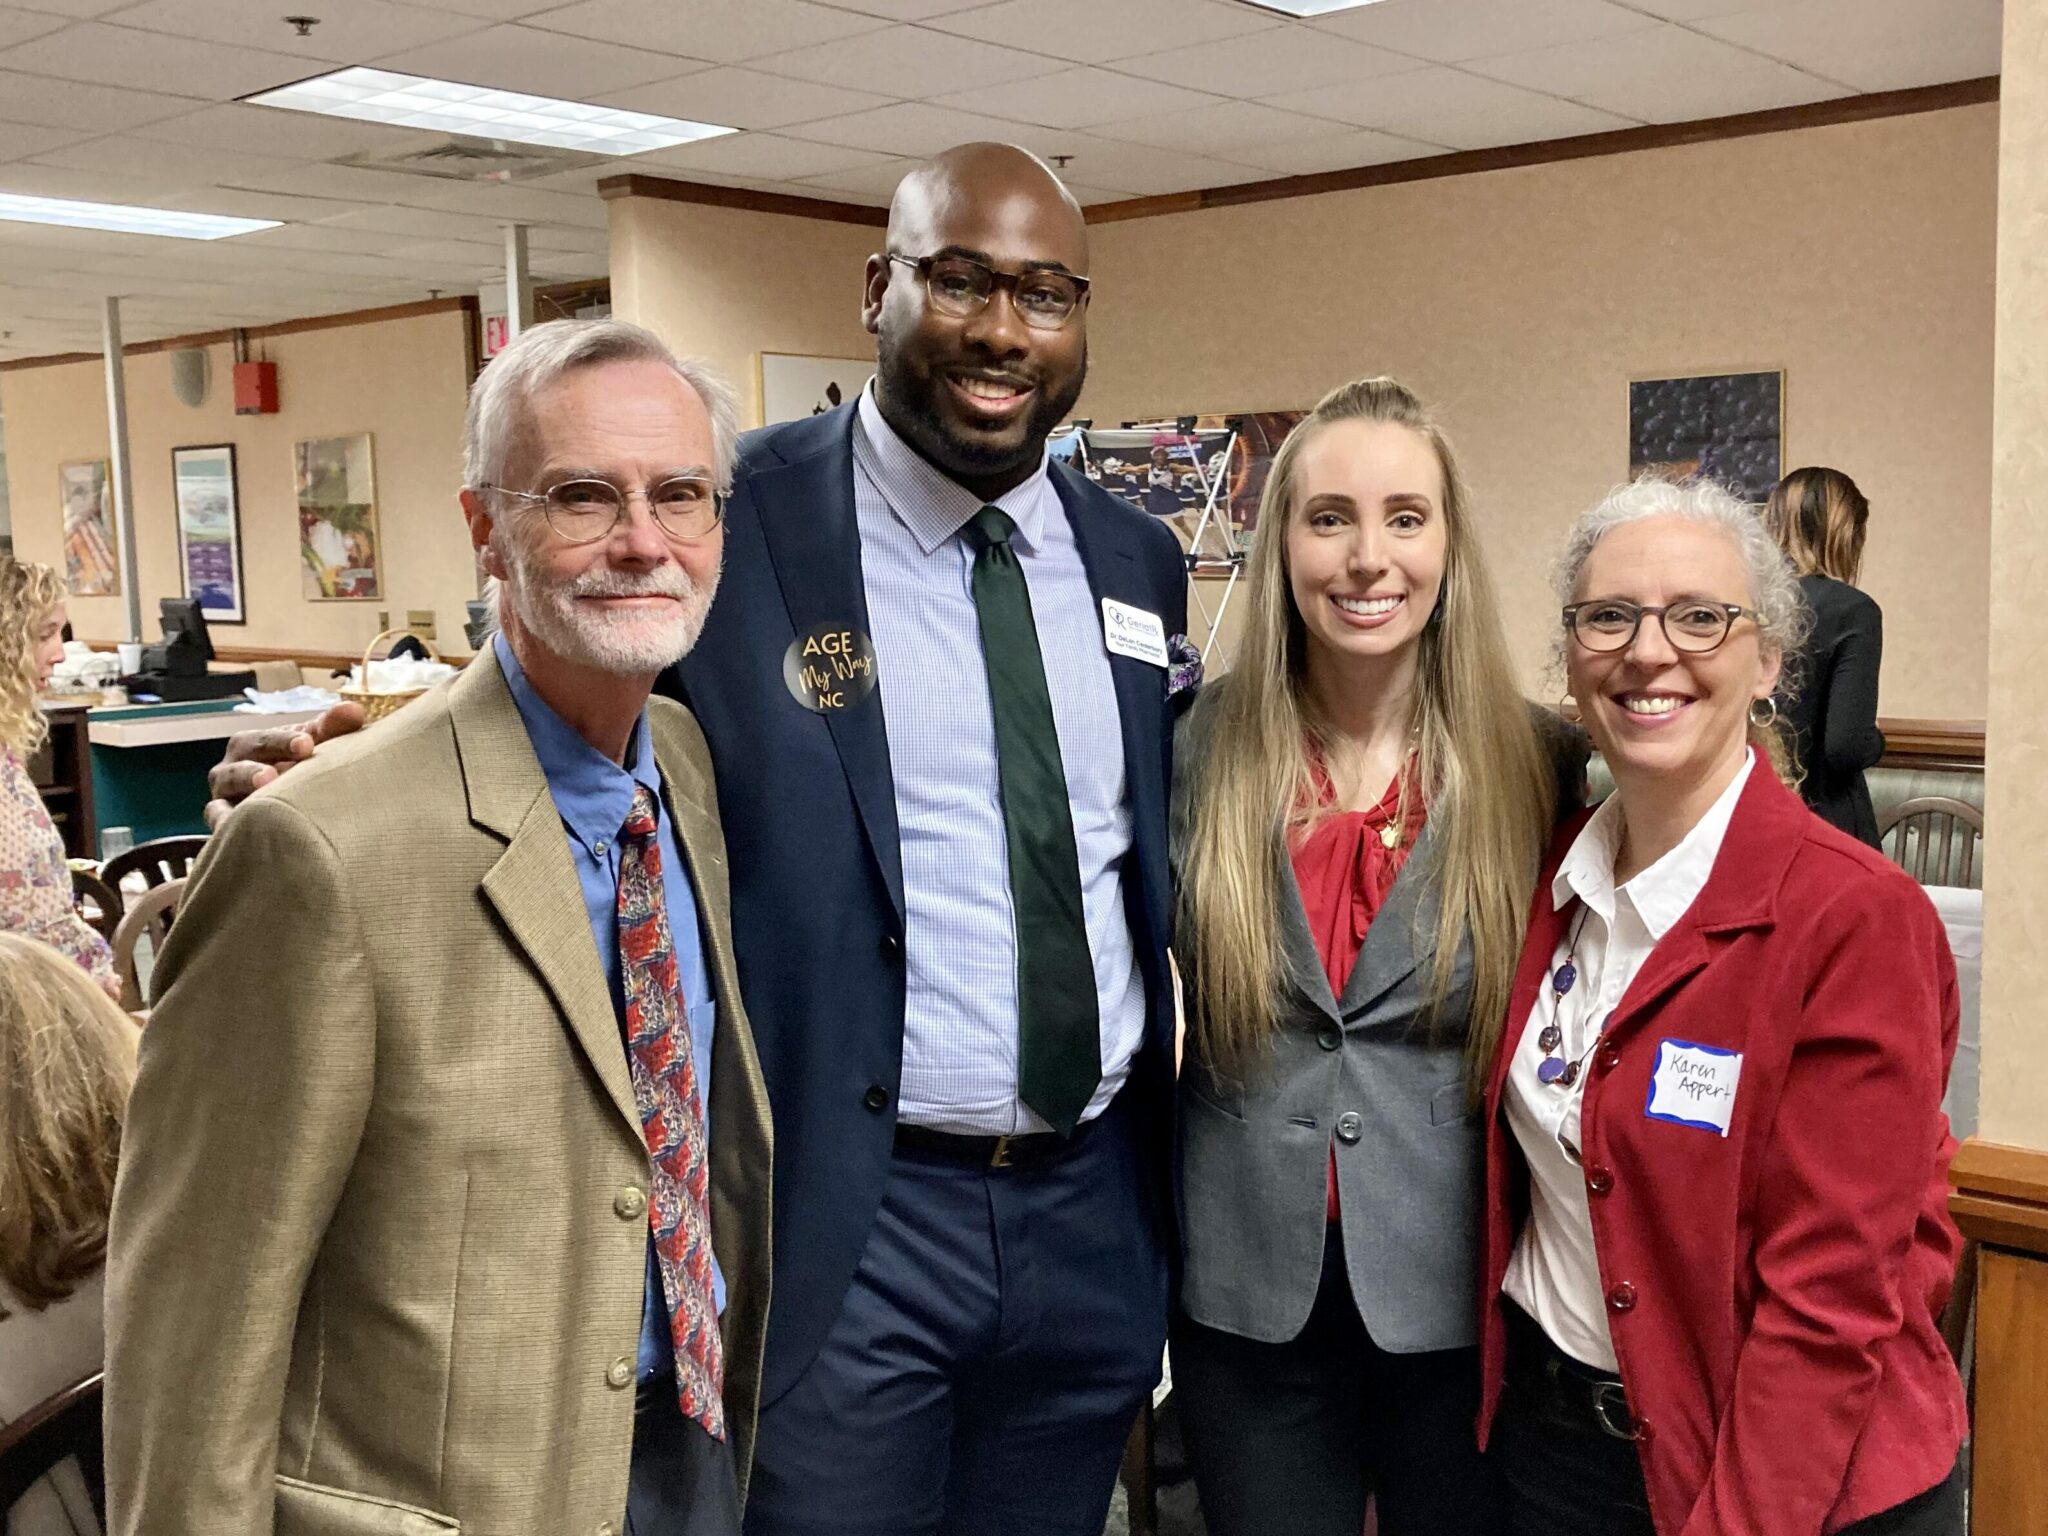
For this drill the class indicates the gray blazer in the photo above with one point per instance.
(1356, 1072)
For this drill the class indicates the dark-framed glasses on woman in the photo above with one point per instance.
(583, 511)
(1694, 625)
(960, 286)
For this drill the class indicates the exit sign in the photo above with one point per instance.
(497, 334)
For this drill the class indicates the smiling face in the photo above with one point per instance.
(1367, 542)
(1660, 716)
(976, 395)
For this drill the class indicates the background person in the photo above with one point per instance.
(1717, 1239)
(1819, 518)
(67, 1057)
(1343, 976)
(35, 880)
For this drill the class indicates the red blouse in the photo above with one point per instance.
(1344, 867)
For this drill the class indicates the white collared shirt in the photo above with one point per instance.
(1554, 1274)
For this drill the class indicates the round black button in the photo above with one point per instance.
(876, 1098)
(1349, 1128)
(1329, 1037)
(1599, 1178)
(892, 947)
(1622, 1297)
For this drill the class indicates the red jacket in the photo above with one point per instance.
(1773, 1296)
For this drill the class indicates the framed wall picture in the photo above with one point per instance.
(210, 530)
(338, 519)
(90, 566)
(793, 387)
(1726, 427)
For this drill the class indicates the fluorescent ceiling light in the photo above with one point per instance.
(125, 220)
(1309, 7)
(447, 106)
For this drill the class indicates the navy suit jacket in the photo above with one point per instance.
(810, 822)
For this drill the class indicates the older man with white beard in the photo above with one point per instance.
(444, 1202)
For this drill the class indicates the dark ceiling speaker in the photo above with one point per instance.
(189, 374)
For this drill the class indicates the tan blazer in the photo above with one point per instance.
(379, 1241)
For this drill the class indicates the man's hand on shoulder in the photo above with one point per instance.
(257, 757)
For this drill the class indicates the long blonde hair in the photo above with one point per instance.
(67, 1059)
(1491, 794)
(28, 593)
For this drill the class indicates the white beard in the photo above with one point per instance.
(624, 644)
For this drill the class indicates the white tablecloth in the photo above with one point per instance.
(1962, 914)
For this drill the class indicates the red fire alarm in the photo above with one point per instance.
(255, 389)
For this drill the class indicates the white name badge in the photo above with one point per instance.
(1694, 1085)
(1132, 631)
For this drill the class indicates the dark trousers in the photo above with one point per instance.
(1001, 1331)
(1568, 1477)
(681, 1482)
(1292, 1437)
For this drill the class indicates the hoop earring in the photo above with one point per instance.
(1568, 710)
(1770, 719)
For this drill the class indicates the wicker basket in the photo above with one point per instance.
(377, 705)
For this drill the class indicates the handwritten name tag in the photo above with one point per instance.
(1129, 631)
(1694, 1085)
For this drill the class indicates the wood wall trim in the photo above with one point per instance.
(1623, 141)
(1932, 743)
(2008, 1475)
(465, 303)
(1999, 1195)
(662, 189)
(243, 655)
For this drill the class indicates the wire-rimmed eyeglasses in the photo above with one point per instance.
(1695, 625)
(960, 286)
(685, 507)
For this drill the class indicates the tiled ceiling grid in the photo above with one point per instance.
(135, 101)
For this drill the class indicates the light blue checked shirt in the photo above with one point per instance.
(960, 945)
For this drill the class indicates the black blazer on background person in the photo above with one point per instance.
(1833, 713)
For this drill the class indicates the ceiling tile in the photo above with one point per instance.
(107, 55)
(1876, 45)
(907, 10)
(349, 183)
(1220, 129)
(360, 29)
(1333, 152)
(508, 204)
(75, 8)
(726, 31)
(412, 225)
(1698, 10)
(542, 63)
(70, 104)
(1664, 75)
(19, 140)
(295, 135)
(34, 180)
(907, 128)
(1448, 107)
(325, 237)
(20, 26)
(1450, 31)
(177, 164)
(1077, 98)
(1127, 28)
(495, 10)
(1138, 169)
(252, 205)
(769, 156)
(1283, 59)
(743, 98)
(874, 183)
(910, 62)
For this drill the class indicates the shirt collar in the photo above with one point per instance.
(592, 793)
(931, 504)
(1662, 893)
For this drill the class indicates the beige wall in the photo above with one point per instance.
(402, 381)
(1858, 258)
(725, 285)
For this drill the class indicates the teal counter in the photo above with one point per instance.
(150, 761)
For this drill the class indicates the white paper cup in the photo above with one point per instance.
(131, 657)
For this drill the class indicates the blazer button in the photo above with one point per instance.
(892, 947)
(1599, 1178)
(1643, 1430)
(1622, 1297)
(630, 1204)
(620, 1372)
(1329, 1037)
(1349, 1127)
(1610, 1059)
(876, 1098)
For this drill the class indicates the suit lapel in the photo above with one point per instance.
(1404, 925)
(533, 886)
(805, 508)
(1297, 943)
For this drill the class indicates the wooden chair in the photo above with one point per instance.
(65, 1425)
(151, 915)
(97, 902)
(1934, 839)
(159, 860)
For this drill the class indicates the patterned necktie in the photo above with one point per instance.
(664, 1070)
(1059, 1050)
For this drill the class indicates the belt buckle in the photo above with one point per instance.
(1610, 1401)
(1000, 1157)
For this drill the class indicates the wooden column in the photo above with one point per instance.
(2000, 1201)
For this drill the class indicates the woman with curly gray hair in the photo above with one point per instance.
(1717, 1243)
(35, 882)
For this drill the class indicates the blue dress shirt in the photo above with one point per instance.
(593, 796)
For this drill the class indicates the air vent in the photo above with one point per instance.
(461, 159)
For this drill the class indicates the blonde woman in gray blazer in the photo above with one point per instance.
(1325, 1349)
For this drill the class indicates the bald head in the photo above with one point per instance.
(985, 178)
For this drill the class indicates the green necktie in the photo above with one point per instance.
(1059, 1051)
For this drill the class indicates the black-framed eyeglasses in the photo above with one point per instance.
(1694, 625)
(960, 286)
(685, 507)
